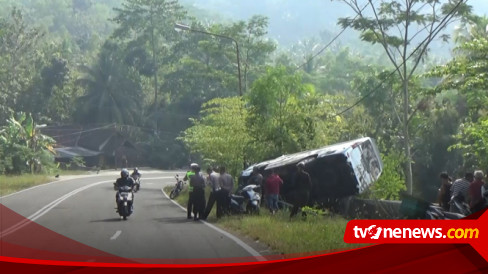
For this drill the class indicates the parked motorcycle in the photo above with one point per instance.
(437, 213)
(460, 206)
(247, 200)
(177, 188)
(125, 199)
(415, 208)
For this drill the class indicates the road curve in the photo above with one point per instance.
(82, 208)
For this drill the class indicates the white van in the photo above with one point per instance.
(338, 170)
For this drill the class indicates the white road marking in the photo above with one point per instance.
(249, 249)
(46, 209)
(116, 235)
(54, 203)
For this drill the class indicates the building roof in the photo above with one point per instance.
(70, 152)
(86, 141)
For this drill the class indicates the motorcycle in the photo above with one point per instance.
(437, 213)
(125, 199)
(177, 188)
(460, 206)
(247, 200)
(137, 182)
(415, 208)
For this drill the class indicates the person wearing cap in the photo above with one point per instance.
(198, 183)
(303, 186)
(189, 206)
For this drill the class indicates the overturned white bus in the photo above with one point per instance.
(337, 171)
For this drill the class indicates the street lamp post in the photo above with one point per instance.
(185, 27)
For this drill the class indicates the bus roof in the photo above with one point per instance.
(294, 158)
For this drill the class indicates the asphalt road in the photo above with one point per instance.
(83, 209)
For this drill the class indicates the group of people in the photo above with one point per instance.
(465, 195)
(222, 184)
(302, 186)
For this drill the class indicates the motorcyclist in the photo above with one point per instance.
(124, 180)
(135, 174)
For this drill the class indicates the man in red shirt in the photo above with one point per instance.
(272, 190)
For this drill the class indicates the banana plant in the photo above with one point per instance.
(22, 139)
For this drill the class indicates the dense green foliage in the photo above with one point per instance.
(122, 62)
(23, 148)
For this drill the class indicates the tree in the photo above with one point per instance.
(112, 92)
(405, 30)
(392, 181)
(255, 47)
(148, 25)
(466, 74)
(18, 59)
(24, 146)
(287, 116)
(220, 135)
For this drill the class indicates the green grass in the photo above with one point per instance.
(11, 184)
(290, 237)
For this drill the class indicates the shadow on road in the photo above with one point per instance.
(107, 220)
(175, 220)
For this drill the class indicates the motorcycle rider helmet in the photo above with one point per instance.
(300, 165)
(194, 165)
(124, 173)
(136, 170)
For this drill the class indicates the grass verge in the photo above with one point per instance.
(299, 236)
(11, 184)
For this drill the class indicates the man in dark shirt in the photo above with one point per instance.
(226, 183)
(444, 195)
(257, 179)
(124, 180)
(303, 186)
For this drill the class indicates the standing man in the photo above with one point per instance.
(303, 186)
(272, 185)
(476, 201)
(459, 194)
(213, 182)
(444, 194)
(197, 182)
(257, 179)
(226, 183)
(188, 175)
